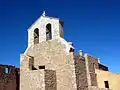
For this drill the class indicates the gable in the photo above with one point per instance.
(58, 43)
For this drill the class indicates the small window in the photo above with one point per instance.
(41, 67)
(33, 68)
(48, 32)
(36, 36)
(71, 50)
(106, 84)
(6, 70)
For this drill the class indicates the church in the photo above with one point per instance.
(50, 62)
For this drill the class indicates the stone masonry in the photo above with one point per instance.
(50, 62)
(9, 77)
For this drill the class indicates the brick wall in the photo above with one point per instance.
(80, 70)
(96, 88)
(9, 80)
(92, 64)
(50, 80)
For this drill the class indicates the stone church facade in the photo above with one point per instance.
(50, 62)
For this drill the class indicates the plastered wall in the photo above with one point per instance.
(113, 79)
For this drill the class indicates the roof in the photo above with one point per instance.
(45, 17)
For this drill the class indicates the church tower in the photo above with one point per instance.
(48, 62)
(44, 29)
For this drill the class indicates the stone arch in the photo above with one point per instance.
(36, 36)
(48, 32)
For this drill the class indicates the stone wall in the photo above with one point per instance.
(96, 88)
(91, 65)
(9, 80)
(38, 80)
(61, 27)
(80, 70)
(50, 80)
(53, 56)
(32, 80)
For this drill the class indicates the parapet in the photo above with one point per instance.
(8, 69)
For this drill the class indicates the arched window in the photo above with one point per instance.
(48, 32)
(36, 36)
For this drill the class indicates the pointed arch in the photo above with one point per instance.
(36, 36)
(48, 32)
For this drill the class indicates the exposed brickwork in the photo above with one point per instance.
(9, 80)
(80, 70)
(96, 88)
(50, 80)
(92, 65)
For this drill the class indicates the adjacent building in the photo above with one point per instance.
(9, 77)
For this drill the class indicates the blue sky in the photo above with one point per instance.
(92, 25)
